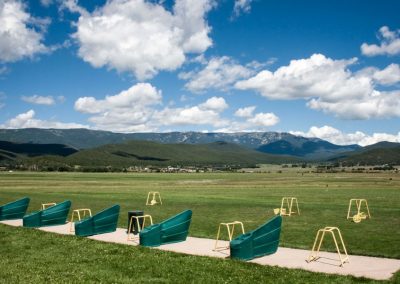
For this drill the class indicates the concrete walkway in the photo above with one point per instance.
(359, 266)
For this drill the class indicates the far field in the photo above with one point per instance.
(223, 197)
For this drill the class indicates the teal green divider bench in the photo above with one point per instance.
(172, 230)
(14, 210)
(103, 222)
(262, 241)
(54, 215)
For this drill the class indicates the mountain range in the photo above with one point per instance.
(266, 142)
(93, 147)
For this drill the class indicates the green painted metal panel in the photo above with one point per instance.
(54, 215)
(14, 210)
(172, 230)
(262, 241)
(103, 222)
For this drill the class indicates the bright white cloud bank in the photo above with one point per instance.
(329, 85)
(28, 120)
(140, 109)
(140, 36)
(18, 36)
(336, 136)
(389, 43)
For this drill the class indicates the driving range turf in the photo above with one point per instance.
(214, 198)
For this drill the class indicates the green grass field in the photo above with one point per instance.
(215, 198)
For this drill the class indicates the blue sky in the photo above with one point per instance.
(327, 69)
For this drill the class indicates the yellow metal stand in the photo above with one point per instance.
(154, 199)
(78, 212)
(360, 215)
(137, 218)
(47, 205)
(320, 236)
(230, 228)
(287, 208)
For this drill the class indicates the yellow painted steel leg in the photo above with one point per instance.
(47, 205)
(230, 227)
(137, 218)
(319, 239)
(78, 213)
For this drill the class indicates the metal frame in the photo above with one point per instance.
(47, 205)
(287, 211)
(360, 215)
(139, 227)
(153, 200)
(320, 236)
(78, 213)
(230, 228)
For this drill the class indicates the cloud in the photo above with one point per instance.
(253, 123)
(2, 99)
(39, 100)
(128, 111)
(245, 111)
(388, 76)
(140, 109)
(196, 115)
(338, 137)
(46, 3)
(28, 120)
(138, 96)
(328, 85)
(389, 43)
(241, 6)
(21, 35)
(264, 119)
(219, 73)
(142, 37)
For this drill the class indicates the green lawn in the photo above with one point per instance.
(220, 197)
(33, 256)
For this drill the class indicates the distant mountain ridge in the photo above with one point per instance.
(279, 143)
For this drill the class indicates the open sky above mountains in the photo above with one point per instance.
(327, 69)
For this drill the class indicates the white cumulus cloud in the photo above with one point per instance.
(264, 119)
(389, 43)
(142, 37)
(128, 111)
(245, 111)
(21, 35)
(28, 120)
(338, 137)
(219, 73)
(207, 113)
(241, 6)
(328, 85)
(39, 100)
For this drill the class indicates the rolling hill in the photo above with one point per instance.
(12, 151)
(143, 153)
(377, 154)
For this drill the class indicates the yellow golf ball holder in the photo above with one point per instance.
(359, 216)
(287, 208)
(230, 227)
(320, 238)
(77, 213)
(153, 200)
